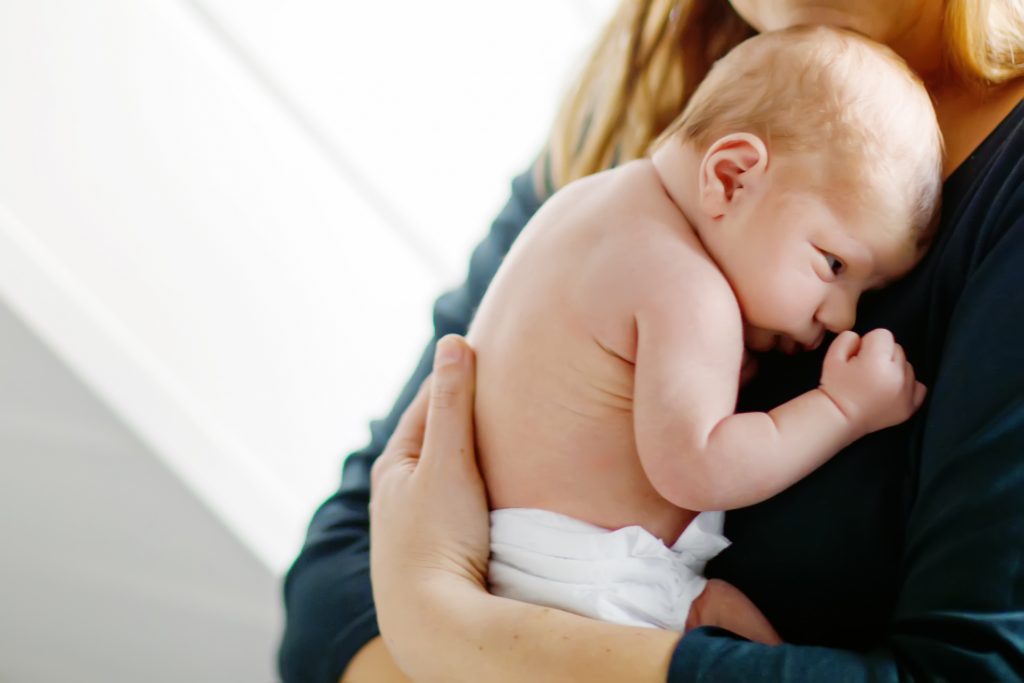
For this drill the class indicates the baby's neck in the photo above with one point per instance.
(676, 166)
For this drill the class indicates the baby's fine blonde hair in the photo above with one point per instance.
(814, 89)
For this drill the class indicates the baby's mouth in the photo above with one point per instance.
(764, 344)
(816, 343)
(783, 343)
(790, 346)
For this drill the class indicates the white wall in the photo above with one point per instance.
(230, 217)
(110, 571)
(227, 220)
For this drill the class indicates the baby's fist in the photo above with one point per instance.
(870, 380)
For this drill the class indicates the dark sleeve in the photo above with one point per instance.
(329, 611)
(959, 614)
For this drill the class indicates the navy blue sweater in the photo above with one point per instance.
(902, 558)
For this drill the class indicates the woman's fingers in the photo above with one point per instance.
(428, 508)
(403, 448)
(449, 423)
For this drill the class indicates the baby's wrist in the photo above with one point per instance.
(846, 415)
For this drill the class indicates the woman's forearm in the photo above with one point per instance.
(474, 636)
(514, 641)
(499, 640)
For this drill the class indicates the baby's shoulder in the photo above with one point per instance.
(635, 179)
(621, 226)
(609, 188)
(655, 261)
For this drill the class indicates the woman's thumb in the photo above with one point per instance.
(450, 415)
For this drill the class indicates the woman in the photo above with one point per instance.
(899, 559)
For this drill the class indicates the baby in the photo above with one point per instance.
(804, 171)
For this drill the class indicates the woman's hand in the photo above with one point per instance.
(429, 544)
(429, 529)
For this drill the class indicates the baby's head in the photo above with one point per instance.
(809, 162)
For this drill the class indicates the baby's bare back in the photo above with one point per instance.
(555, 343)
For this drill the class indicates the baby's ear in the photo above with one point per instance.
(732, 166)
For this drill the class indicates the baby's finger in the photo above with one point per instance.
(878, 341)
(748, 368)
(920, 391)
(449, 426)
(898, 354)
(843, 347)
(909, 382)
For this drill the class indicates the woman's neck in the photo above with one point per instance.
(967, 115)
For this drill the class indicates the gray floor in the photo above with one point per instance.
(110, 570)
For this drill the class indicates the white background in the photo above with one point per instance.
(227, 220)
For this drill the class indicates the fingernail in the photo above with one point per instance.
(448, 352)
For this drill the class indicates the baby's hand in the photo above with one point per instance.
(748, 368)
(722, 604)
(870, 380)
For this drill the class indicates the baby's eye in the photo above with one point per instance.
(834, 264)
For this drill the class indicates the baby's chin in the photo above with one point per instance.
(761, 341)
(764, 341)
(790, 346)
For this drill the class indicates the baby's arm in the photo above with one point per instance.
(696, 451)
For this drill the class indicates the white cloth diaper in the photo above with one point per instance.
(626, 576)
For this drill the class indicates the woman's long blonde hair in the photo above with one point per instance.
(985, 39)
(653, 54)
